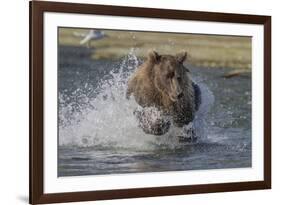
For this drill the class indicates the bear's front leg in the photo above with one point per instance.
(152, 121)
(189, 134)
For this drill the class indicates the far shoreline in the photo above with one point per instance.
(207, 51)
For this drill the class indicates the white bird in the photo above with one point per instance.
(91, 35)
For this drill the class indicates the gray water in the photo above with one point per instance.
(98, 133)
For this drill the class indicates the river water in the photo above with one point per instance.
(98, 133)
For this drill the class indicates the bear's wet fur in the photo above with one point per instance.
(164, 83)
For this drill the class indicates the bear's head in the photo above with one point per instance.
(169, 74)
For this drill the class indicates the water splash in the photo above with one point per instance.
(101, 116)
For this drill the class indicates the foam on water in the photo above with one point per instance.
(105, 118)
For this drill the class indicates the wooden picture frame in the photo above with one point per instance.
(37, 9)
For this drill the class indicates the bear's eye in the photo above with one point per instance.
(179, 78)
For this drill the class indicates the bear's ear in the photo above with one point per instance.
(153, 57)
(181, 57)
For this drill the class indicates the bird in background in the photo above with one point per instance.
(88, 37)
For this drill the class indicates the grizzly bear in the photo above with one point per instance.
(164, 83)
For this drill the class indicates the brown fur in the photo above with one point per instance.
(162, 81)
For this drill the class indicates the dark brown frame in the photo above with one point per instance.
(37, 9)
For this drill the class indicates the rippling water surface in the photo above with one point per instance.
(98, 133)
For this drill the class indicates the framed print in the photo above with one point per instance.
(139, 102)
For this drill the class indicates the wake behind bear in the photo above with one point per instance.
(163, 87)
